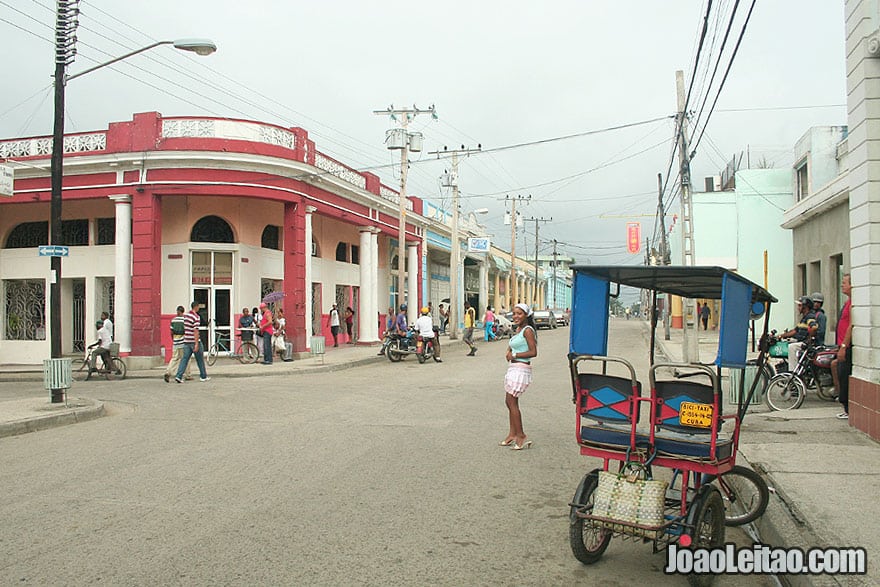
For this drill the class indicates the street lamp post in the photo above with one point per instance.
(65, 40)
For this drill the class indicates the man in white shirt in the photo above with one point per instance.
(107, 323)
(102, 346)
(333, 320)
(425, 326)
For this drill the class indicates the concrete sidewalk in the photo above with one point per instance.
(822, 471)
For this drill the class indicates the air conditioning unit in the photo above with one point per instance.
(872, 45)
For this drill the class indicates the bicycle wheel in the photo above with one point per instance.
(212, 355)
(745, 495)
(248, 353)
(706, 517)
(82, 372)
(785, 392)
(588, 541)
(117, 368)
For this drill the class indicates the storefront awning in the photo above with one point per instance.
(500, 264)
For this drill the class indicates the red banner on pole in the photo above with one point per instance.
(633, 237)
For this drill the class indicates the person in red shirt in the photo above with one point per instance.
(267, 329)
(841, 367)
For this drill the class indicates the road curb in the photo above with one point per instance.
(84, 413)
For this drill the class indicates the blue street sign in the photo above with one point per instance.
(54, 251)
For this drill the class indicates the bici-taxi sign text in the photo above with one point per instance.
(695, 415)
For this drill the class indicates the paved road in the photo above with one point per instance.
(385, 474)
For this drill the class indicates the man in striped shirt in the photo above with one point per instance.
(177, 330)
(192, 344)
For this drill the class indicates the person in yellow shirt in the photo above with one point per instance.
(470, 319)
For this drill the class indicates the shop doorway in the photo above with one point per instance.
(212, 288)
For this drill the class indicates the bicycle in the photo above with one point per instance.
(115, 370)
(246, 352)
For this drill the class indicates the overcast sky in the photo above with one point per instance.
(499, 74)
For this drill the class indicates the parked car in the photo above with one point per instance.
(562, 318)
(544, 319)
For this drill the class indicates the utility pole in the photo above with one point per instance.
(451, 180)
(555, 301)
(690, 346)
(664, 253)
(400, 139)
(513, 218)
(537, 222)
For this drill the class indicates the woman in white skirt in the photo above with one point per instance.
(523, 348)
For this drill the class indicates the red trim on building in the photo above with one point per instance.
(146, 280)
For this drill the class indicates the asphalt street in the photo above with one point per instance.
(387, 474)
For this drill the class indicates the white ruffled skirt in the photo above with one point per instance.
(518, 378)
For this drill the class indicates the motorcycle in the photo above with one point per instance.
(401, 345)
(786, 389)
(425, 348)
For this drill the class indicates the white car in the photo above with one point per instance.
(561, 317)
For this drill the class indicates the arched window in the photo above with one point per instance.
(342, 252)
(28, 234)
(212, 229)
(271, 237)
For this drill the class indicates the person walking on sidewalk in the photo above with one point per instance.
(267, 329)
(523, 347)
(489, 324)
(841, 367)
(470, 319)
(192, 345)
(177, 331)
(333, 320)
(704, 315)
(349, 323)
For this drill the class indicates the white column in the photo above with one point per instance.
(367, 305)
(484, 288)
(122, 274)
(309, 302)
(412, 270)
(380, 298)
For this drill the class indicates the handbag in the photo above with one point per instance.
(278, 343)
(631, 498)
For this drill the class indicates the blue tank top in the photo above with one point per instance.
(519, 344)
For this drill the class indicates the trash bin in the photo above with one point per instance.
(57, 376)
(318, 347)
(749, 374)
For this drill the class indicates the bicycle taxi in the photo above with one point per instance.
(677, 425)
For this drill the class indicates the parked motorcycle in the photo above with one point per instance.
(401, 345)
(787, 390)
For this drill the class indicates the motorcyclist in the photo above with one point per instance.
(425, 326)
(802, 332)
(821, 319)
(400, 325)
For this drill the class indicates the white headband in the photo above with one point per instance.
(525, 308)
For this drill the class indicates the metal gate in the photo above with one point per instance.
(79, 315)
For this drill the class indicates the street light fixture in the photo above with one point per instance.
(65, 41)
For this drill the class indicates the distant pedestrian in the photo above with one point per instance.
(821, 318)
(470, 319)
(192, 345)
(349, 323)
(444, 317)
(704, 315)
(279, 339)
(841, 367)
(523, 347)
(267, 329)
(333, 321)
(246, 324)
(257, 318)
(489, 324)
(178, 329)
